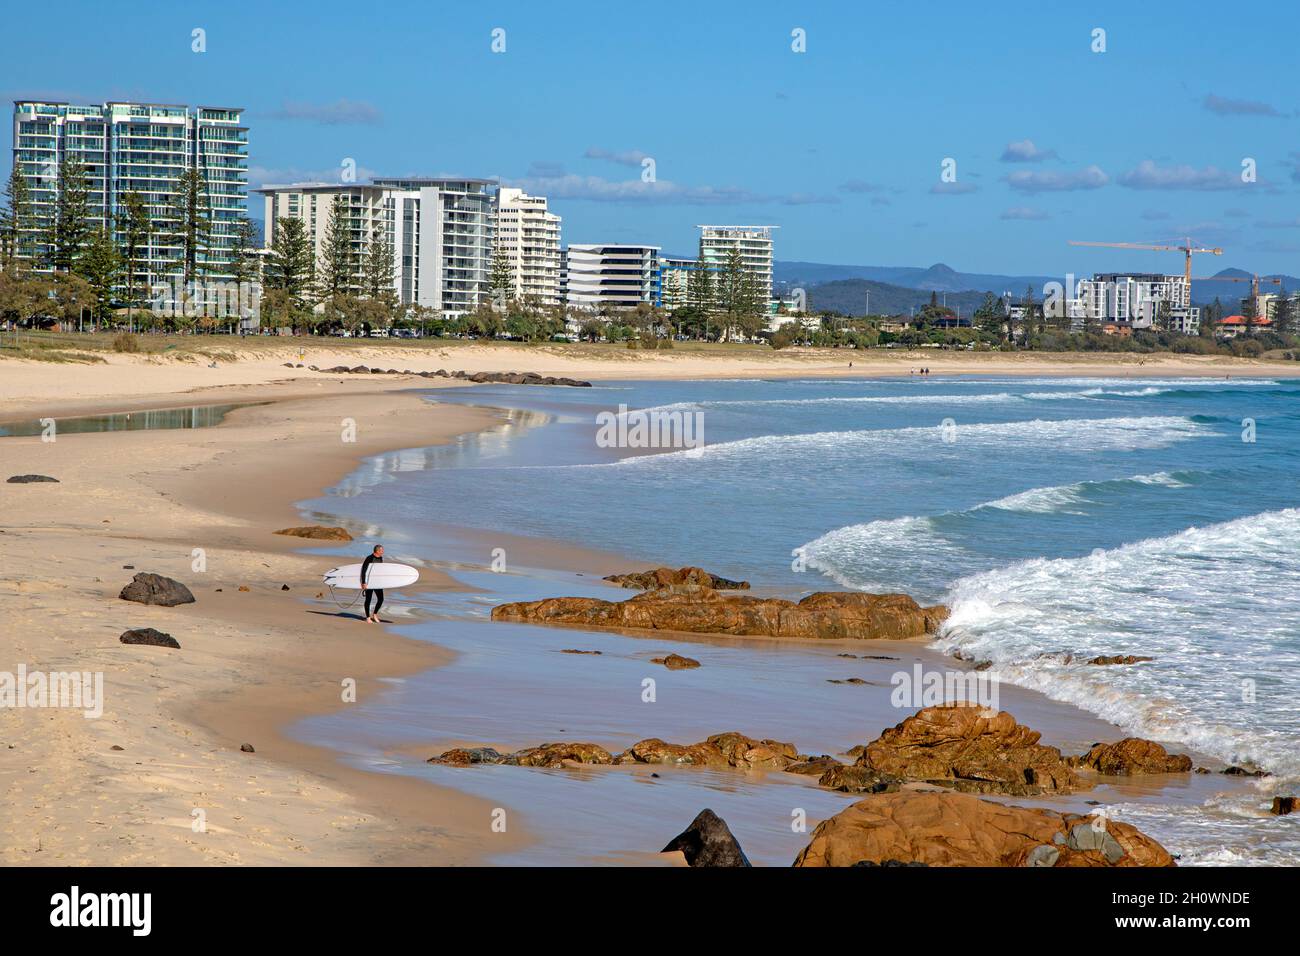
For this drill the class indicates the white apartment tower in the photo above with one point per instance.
(440, 229)
(529, 236)
(612, 276)
(754, 244)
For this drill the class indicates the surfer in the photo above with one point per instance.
(377, 555)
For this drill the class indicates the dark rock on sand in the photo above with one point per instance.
(708, 842)
(30, 479)
(665, 577)
(318, 532)
(955, 829)
(148, 588)
(1132, 755)
(675, 662)
(704, 610)
(1283, 805)
(150, 637)
(958, 745)
(247, 748)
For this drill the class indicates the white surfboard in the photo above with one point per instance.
(381, 576)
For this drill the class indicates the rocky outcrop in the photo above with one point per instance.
(155, 589)
(958, 746)
(955, 829)
(464, 756)
(708, 841)
(149, 637)
(507, 378)
(858, 780)
(675, 662)
(557, 755)
(33, 479)
(318, 532)
(1132, 755)
(701, 610)
(1283, 806)
(666, 577)
(721, 750)
(1119, 659)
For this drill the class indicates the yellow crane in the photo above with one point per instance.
(1186, 249)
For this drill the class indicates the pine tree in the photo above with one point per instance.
(69, 227)
(291, 267)
(194, 218)
(134, 225)
(337, 274)
(378, 274)
(501, 283)
(100, 265)
(1283, 315)
(1249, 313)
(15, 219)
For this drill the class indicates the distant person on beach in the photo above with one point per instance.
(375, 556)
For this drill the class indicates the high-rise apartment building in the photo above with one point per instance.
(451, 225)
(145, 148)
(373, 212)
(612, 276)
(528, 235)
(754, 243)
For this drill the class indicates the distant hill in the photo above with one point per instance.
(1205, 291)
(897, 289)
(849, 297)
(936, 278)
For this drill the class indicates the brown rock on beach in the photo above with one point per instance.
(702, 610)
(958, 744)
(956, 829)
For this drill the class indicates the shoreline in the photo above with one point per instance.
(140, 381)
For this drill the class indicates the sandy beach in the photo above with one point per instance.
(133, 786)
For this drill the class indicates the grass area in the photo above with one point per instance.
(92, 346)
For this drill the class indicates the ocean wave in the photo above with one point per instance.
(1079, 435)
(869, 555)
(1214, 605)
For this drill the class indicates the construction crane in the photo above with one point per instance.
(1186, 249)
(1254, 281)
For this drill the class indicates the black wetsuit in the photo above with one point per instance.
(377, 594)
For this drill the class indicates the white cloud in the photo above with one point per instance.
(1025, 151)
(1148, 175)
(1036, 181)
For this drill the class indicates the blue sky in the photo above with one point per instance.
(841, 146)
